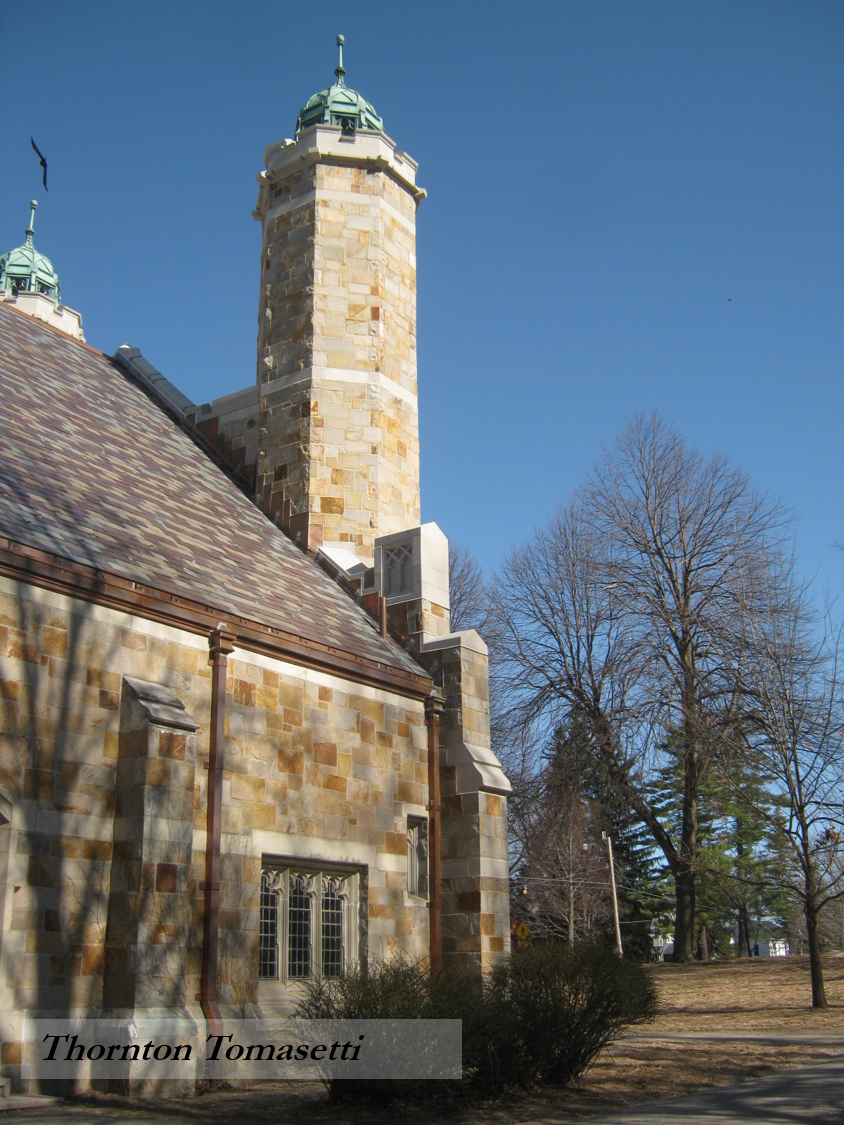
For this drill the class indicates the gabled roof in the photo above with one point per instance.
(93, 471)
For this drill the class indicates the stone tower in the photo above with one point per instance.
(338, 440)
(327, 436)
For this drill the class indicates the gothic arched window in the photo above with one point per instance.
(309, 923)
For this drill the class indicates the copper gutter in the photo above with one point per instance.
(433, 710)
(76, 580)
(220, 645)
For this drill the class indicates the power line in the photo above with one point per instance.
(589, 883)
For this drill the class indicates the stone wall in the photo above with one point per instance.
(338, 274)
(475, 867)
(316, 767)
(149, 904)
(332, 429)
(231, 424)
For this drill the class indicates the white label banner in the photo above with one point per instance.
(162, 1049)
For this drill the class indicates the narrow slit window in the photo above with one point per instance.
(417, 856)
(299, 930)
(268, 932)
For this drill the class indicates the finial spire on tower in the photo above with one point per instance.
(24, 273)
(339, 105)
(30, 230)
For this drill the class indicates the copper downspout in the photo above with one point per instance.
(220, 644)
(433, 710)
(382, 615)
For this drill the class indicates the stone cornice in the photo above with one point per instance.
(326, 144)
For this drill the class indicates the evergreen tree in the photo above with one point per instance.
(642, 894)
(738, 888)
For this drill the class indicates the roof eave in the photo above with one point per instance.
(76, 580)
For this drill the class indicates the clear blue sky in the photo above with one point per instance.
(632, 206)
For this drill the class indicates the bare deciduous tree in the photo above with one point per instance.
(467, 591)
(794, 676)
(627, 612)
(564, 868)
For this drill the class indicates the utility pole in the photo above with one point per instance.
(619, 950)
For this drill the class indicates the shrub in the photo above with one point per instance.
(541, 1016)
(398, 989)
(549, 1009)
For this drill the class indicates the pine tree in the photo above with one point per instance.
(642, 894)
(737, 866)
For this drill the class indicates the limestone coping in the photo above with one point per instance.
(161, 705)
(326, 143)
(477, 769)
(464, 638)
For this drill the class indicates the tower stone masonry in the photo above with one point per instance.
(331, 432)
(338, 456)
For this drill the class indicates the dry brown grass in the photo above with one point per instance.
(743, 997)
(748, 995)
(760, 996)
(632, 1073)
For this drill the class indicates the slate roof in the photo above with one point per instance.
(92, 470)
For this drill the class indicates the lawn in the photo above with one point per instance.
(763, 994)
(764, 997)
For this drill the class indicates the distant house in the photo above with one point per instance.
(663, 947)
(766, 942)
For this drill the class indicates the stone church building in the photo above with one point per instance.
(229, 691)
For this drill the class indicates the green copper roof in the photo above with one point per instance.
(25, 270)
(339, 105)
